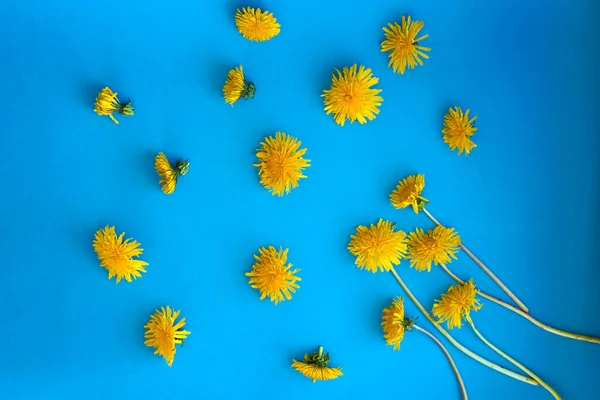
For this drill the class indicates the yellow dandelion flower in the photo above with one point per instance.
(394, 324)
(169, 174)
(458, 129)
(255, 24)
(116, 254)
(408, 193)
(315, 366)
(281, 163)
(107, 103)
(272, 276)
(457, 304)
(351, 97)
(437, 245)
(236, 86)
(403, 43)
(378, 247)
(163, 333)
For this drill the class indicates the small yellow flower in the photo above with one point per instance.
(438, 245)
(315, 366)
(107, 103)
(457, 304)
(163, 333)
(281, 163)
(116, 254)
(378, 247)
(169, 174)
(408, 193)
(271, 276)
(255, 24)
(403, 43)
(458, 129)
(351, 97)
(237, 86)
(394, 324)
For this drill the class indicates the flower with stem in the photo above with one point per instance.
(395, 324)
(437, 245)
(107, 103)
(281, 163)
(456, 305)
(408, 192)
(403, 44)
(529, 317)
(118, 256)
(236, 86)
(272, 276)
(459, 346)
(378, 247)
(163, 333)
(315, 366)
(458, 129)
(351, 97)
(168, 173)
(256, 25)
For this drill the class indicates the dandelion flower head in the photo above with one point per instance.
(378, 247)
(272, 276)
(351, 96)
(315, 366)
(117, 255)
(168, 173)
(163, 333)
(457, 304)
(236, 86)
(255, 24)
(394, 324)
(107, 103)
(281, 163)
(408, 193)
(403, 43)
(437, 245)
(458, 129)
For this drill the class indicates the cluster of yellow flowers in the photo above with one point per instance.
(378, 247)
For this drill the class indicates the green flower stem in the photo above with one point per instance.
(459, 346)
(484, 268)
(534, 321)
(512, 360)
(463, 389)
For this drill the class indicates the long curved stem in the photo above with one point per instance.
(459, 346)
(534, 321)
(484, 268)
(463, 389)
(512, 360)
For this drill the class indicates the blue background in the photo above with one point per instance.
(525, 200)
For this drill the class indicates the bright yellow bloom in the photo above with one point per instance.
(351, 97)
(457, 304)
(237, 86)
(256, 25)
(403, 43)
(438, 245)
(163, 333)
(315, 366)
(281, 163)
(107, 103)
(116, 254)
(458, 129)
(271, 276)
(169, 174)
(378, 247)
(394, 324)
(408, 193)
